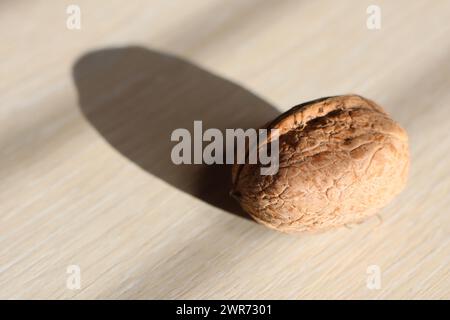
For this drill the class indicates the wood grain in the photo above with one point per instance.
(85, 115)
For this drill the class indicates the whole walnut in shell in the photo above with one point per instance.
(340, 160)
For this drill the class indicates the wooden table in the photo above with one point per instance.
(87, 187)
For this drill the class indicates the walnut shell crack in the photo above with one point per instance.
(341, 159)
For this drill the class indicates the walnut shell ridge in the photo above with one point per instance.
(341, 159)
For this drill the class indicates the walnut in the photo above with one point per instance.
(341, 159)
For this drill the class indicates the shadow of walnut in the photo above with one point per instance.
(136, 97)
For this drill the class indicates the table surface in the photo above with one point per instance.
(87, 189)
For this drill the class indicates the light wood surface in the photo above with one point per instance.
(85, 175)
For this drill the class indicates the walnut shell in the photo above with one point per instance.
(341, 159)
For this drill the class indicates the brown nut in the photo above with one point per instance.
(340, 160)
